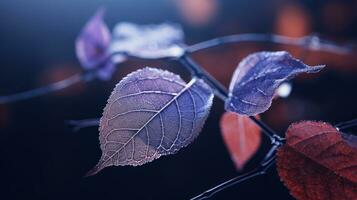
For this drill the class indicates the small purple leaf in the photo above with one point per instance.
(148, 41)
(258, 76)
(92, 46)
(151, 113)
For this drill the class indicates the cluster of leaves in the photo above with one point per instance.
(99, 50)
(153, 112)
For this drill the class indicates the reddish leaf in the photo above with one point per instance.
(241, 136)
(317, 164)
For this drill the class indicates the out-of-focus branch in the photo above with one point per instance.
(84, 123)
(345, 125)
(47, 89)
(312, 42)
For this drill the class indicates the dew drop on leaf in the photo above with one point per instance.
(284, 90)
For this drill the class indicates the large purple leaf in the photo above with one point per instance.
(148, 41)
(151, 113)
(92, 46)
(258, 76)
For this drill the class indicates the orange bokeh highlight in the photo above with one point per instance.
(337, 16)
(293, 21)
(198, 12)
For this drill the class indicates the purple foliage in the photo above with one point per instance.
(257, 77)
(148, 41)
(151, 113)
(92, 46)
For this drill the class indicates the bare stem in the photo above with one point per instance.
(345, 125)
(221, 92)
(315, 43)
(84, 123)
(47, 89)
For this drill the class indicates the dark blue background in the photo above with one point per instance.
(40, 158)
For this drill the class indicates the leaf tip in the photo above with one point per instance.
(93, 171)
(317, 68)
(92, 42)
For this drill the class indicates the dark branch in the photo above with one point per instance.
(84, 123)
(346, 125)
(221, 92)
(267, 162)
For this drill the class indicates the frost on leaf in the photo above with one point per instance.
(148, 41)
(241, 136)
(316, 163)
(92, 46)
(151, 113)
(258, 76)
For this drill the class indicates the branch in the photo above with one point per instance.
(267, 162)
(221, 92)
(345, 125)
(313, 41)
(84, 123)
(47, 89)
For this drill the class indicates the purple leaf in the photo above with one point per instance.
(148, 41)
(151, 113)
(92, 46)
(258, 76)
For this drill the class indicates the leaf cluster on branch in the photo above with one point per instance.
(152, 112)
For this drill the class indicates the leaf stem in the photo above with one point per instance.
(345, 125)
(47, 89)
(84, 123)
(198, 71)
(221, 92)
(313, 41)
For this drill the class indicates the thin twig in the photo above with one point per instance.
(345, 125)
(47, 89)
(261, 170)
(196, 70)
(84, 123)
(316, 43)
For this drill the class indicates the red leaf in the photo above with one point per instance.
(317, 164)
(241, 136)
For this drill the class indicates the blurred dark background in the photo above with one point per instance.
(41, 158)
